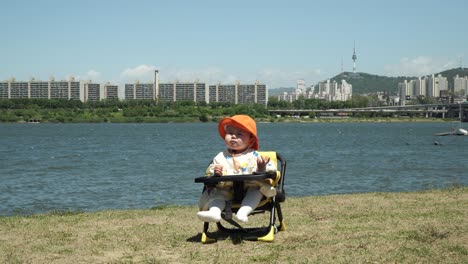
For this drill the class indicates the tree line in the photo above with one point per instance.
(59, 110)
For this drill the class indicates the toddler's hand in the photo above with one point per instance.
(262, 163)
(218, 170)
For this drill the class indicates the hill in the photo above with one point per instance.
(369, 83)
(449, 74)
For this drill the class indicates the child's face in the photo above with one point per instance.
(237, 139)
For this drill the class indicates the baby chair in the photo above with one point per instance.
(271, 205)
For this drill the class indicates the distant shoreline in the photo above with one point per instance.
(259, 120)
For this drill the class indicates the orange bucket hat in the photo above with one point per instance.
(241, 121)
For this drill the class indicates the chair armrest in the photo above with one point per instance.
(236, 178)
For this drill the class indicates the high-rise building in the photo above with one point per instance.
(186, 91)
(19, 90)
(420, 87)
(111, 91)
(39, 89)
(301, 87)
(237, 93)
(176, 91)
(222, 93)
(58, 90)
(69, 90)
(167, 92)
(331, 90)
(436, 84)
(196, 91)
(92, 91)
(460, 86)
(139, 91)
(4, 90)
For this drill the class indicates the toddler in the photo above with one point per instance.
(239, 133)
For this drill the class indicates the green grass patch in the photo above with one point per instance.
(415, 227)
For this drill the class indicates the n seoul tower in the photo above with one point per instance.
(354, 58)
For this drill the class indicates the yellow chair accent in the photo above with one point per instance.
(269, 237)
(205, 239)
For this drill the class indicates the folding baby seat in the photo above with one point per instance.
(267, 205)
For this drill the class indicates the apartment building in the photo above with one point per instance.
(139, 91)
(92, 92)
(334, 91)
(39, 89)
(223, 93)
(420, 87)
(177, 91)
(238, 93)
(19, 90)
(111, 91)
(70, 90)
(460, 86)
(436, 85)
(4, 90)
(187, 91)
(433, 86)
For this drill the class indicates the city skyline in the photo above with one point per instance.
(274, 42)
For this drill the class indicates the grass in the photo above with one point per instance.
(417, 227)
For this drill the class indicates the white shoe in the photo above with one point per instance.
(209, 216)
(241, 218)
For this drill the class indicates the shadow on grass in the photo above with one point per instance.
(218, 235)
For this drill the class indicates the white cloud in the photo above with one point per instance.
(276, 78)
(141, 73)
(93, 75)
(419, 66)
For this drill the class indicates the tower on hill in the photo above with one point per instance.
(354, 58)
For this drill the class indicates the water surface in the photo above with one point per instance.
(91, 167)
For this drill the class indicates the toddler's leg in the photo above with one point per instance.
(214, 213)
(249, 203)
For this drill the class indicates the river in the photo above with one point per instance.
(91, 167)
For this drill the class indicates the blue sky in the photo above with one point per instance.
(275, 42)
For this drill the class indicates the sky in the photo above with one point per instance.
(274, 42)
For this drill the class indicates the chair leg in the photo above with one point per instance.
(270, 236)
(281, 226)
(204, 237)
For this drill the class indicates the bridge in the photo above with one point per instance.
(427, 111)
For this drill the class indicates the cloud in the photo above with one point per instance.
(419, 66)
(276, 78)
(91, 75)
(142, 73)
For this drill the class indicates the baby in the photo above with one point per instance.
(241, 157)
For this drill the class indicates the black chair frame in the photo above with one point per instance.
(271, 205)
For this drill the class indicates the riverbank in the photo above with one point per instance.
(261, 119)
(416, 227)
(361, 120)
